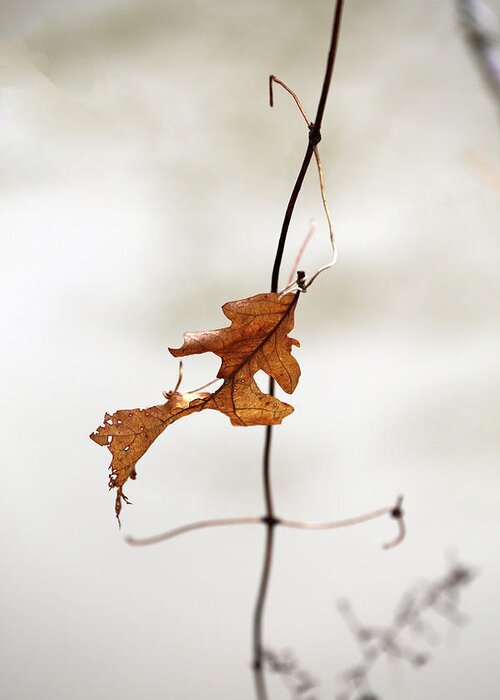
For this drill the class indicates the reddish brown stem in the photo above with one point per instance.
(300, 253)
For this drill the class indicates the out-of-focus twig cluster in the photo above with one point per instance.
(299, 682)
(413, 615)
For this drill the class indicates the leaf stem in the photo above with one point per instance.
(314, 139)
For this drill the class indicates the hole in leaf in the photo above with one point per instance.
(262, 381)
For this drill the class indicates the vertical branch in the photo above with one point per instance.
(314, 139)
(270, 520)
(268, 552)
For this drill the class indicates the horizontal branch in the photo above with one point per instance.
(334, 524)
(394, 511)
(198, 525)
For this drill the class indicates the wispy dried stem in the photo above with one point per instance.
(307, 282)
(300, 253)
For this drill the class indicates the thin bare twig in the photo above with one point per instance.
(300, 253)
(305, 284)
(198, 525)
(274, 79)
(204, 386)
(398, 514)
(268, 551)
(395, 512)
(260, 685)
(314, 139)
(168, 394)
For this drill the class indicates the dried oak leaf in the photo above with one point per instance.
(257, 339)
(129, 433)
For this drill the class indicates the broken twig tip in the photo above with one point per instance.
(398, 514)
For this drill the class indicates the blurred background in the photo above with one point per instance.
(143, 180)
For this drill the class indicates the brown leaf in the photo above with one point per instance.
(257, 339)
(129, 433)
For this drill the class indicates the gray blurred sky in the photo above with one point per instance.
(142, 183)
